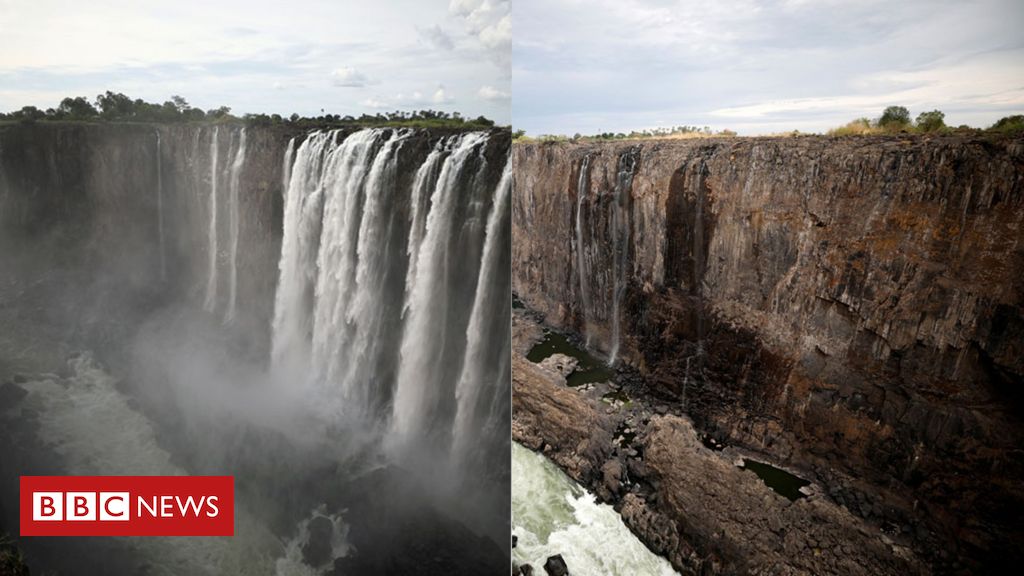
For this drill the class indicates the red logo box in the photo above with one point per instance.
(127, 506)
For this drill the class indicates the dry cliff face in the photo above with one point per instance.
(851, 306)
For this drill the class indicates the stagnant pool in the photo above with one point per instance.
(590, 369)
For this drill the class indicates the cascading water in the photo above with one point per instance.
(483, 387)
(160, 207)
(376, 273)
(286, 168)
(234, 224)
(620, 225)
(582, 261)
(434, 338)
(210, 302)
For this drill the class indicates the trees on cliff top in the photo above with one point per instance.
(895, 119)
(117, 107)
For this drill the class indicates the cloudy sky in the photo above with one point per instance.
(283, 56)
(761, 66)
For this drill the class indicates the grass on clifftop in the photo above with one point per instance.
(894, 120)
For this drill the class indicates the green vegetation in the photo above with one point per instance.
(673, 132)
(117, 107)
(896, 119)
(931, 121)
(1009, 124)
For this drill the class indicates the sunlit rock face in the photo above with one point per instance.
(852, 306)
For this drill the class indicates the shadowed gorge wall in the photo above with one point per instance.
(851, 306)
(90, 203)
(317, 314)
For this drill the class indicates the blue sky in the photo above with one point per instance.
(344, 56)
(760, 66)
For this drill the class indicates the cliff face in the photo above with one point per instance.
(109, 220)
(850, 306)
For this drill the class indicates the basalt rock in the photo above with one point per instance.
(555, 566)
(850, 306)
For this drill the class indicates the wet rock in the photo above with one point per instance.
(317, 550)
(560, 364)
(555, 566)
(612, 474)
(526, 570)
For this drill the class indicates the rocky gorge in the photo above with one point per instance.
(848, 308)
(264, 301)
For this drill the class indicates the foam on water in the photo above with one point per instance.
(293, 563)
(551, 515)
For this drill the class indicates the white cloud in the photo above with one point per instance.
(497, 37)
(490, 23)
(375, 103)
(760, 66)
(442, 97)
(50, 49)
(349, 77)
(491, 93)
(437, 37)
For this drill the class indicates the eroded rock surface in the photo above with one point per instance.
(689, 503)
(851, 307)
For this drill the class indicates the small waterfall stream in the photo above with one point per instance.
(160, 207)
(234, 225)
(582, 260)
(210, 302)
(621, 226)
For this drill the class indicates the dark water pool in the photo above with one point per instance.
(591, 369)
(777, 479)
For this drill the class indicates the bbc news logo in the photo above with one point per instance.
(127, 506)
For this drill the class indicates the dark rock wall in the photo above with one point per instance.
(80, 202)
(851, 306)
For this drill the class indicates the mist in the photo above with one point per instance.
(322, 315)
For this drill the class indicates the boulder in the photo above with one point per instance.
(555, 566)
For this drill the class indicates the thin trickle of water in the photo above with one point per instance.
(160, 207)
(582, 262)
(210, 302)
(234, 225)
(286, 168)
(620, 244)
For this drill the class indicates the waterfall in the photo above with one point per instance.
(210, 302)
(432, 344)
(394, 275)
(582, 267)
(234, 224)
(620, 243)
(286, 168)
(160, 207)
(426, 179)
(482, 391)
(355, 260)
